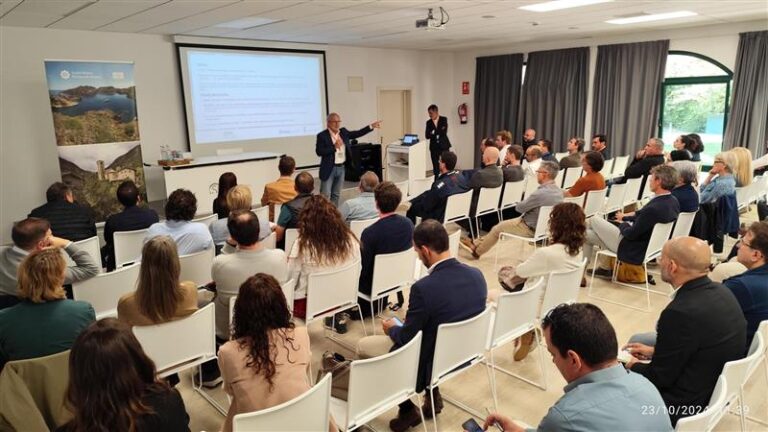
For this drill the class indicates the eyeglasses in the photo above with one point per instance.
(542, 172)
(334, 121)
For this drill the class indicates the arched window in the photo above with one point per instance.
(695, 96)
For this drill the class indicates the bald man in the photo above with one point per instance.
(363, 206)
(490, 176)
(700, 330)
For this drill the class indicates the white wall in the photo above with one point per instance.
(28, 157)
(719, 42)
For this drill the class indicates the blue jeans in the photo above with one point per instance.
(331, 187)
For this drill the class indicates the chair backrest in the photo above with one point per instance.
(594, 202)
(403, 186)
(180, 344)
(562, 287)
(262, 213)
(531, 184)
(104, 291)
(736, 372)
(515, 314)
(706, 420)
(513, 194)
(309, 412)
(270, 242)
(460, 342)
(488, 200)
(615, 198)
(457, 206)
(560, 177)
(392, 270)
(571, 175)
(332, 291)
(128, 245)
(684, 224)
(90, 245)
(369, 396)
(542, 223)
(196, 267)
(607, 170)
(277, 207)
(419, 186)
(453, 243)
(620, 165)
(763, 330)
(632, 192)
(578, 200)
(357, 226)
(659, 235)
(561, 155)
(647, 192)
(207, 220)
(291, 235)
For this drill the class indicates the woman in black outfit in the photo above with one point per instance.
(227, 181)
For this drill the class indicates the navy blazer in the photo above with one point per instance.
(326, 150)
(635, 235)
(452, 292)
(438, 136)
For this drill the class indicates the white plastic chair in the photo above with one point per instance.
(196, 267)
(419, 186)
(594, 202)
(309, 412)
(619, 166)
(392, 273)
(487, 203)
(369, 395)
(403, 186)
(90, 245)
(561, 155)
(632, 193)
(531, 184)
(647, 193)
(615, 198)
(706, 420)
(571, 175)
(560, 178)
(104, 291)
(578, 200)
(128, 245)
(513, 194)
(207, 220)
(457, 344)
(683, 224)
(515, 316)
(291, 235)
(453, 243)
(457, 208)
(358, 226)
(270, 242)
(262, 213)
(659, 235)
(562, 287)
(182, 344)
(737, 375)
(607, 170)
(540, 234)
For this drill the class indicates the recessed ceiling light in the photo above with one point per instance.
(560, 4)
(652, 17)
(245, 23)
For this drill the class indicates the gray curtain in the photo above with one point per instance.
(497, 92)
(554, 100)
(748, 119)
(627, 93)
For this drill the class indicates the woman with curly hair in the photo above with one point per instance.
(325, 243)
(265, 363)
(134, 400)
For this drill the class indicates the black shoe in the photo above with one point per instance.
(405, 420)
(427, 407)
(603, 273)
(651, 280)
(341, 323)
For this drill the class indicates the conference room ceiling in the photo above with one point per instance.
(369, 23)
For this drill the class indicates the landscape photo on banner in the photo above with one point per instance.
(96, 127)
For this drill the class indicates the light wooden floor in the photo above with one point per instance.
(519, 400)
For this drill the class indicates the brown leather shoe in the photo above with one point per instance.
(405, 420)
(526, 345)
(427, 407)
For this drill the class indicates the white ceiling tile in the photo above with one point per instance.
(105, 12)
(231, 12)
(7, 5)
(165, 13)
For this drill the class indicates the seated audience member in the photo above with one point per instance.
(236, 264)
(700, 330)
(696, 147)
(751, 287)
(548, 194)
(451, 292)
(720, 181)
(44, 322)
(281, 190)
(679, 155)
(304, 184)
(239, 198)
(363, 206)
(502, 142)
(567, 227)
(512, 170)
(391, 233)
(681, 145)
(532, 160)
(68, 219)
(431, 204)
(743, 168)
(591, 162)
(599, 144)
(647, 158)
(133, 217)
(601, 395)
(265, 363)
(227, 181)
(325, 243)
(488, 177)
(630, 239)
(575, 148)
(484, 144)
(686, 194)
(529, 139)
(108, 352)
(546, 150)
(34, 234)
(190, 237)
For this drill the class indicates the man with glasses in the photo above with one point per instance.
(547, 194)
(647, 158)
(333, 148)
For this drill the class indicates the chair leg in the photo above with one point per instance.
(493, 383)
(362, 321)
(541, 360)
(421, 413)
(647, 285)
(432, 401)
(373, 319)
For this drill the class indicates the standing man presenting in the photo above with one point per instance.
(437, 133)
(333, 148)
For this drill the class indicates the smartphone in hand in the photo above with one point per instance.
(471, 426)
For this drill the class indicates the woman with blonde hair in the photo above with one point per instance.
(325, 243)
(238, 198)
(743, 170)
(160, 296)
(720, 181)
(45, 322)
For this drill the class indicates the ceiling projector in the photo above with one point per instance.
(432, 23)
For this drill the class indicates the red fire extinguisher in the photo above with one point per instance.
(463, 113)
